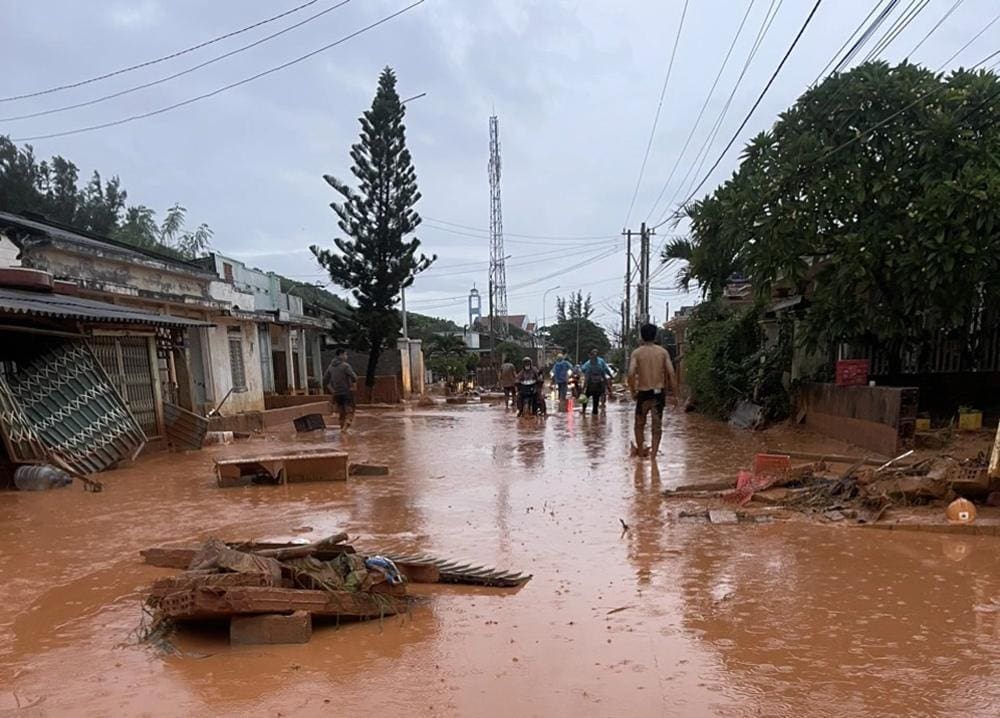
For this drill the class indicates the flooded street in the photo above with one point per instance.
(666, 619)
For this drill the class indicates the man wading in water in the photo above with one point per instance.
(339, 380)
(650, 374)
(508, 380)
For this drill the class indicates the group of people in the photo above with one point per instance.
(650, 379)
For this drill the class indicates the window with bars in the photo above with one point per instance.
(236, 365)
(227, 271)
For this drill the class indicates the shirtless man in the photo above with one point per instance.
(650, 374)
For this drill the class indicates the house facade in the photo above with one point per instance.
(248, 339)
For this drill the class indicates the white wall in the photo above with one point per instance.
(253, 398)
(8, 253)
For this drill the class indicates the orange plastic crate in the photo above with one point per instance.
(771, 464)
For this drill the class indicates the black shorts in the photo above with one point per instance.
(344, 402)
(649, 399)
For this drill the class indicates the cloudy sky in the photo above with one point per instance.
(576, 85)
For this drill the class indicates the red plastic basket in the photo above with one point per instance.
(852, 372)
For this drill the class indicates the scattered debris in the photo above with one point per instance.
(184, 429)
(864, 492)
(322, 465)
(366, 469)
(961, 511)
(270, 592)
(618, 610)
(747, 415)
(309, 422)
(40, 477)
(722, 516)
(624, 525)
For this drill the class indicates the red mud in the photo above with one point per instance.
(666, 620)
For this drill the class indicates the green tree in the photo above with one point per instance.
(579, 336)
(573, 306)
(374, 262)
(138, 227)
(877, 196)
(51, 188)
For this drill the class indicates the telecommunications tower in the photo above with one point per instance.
(498, 274)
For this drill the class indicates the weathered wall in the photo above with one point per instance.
(253, 398)
(116, 273)
(8, 252)
(877, 418)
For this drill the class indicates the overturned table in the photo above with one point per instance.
(282, 468)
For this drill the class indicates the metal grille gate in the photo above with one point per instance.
(127, 361)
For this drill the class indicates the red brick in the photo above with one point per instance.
(270, 628)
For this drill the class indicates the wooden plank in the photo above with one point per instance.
(180, 556)
(319, 454)
(207, 603)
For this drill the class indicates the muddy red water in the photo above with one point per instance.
(666, 619)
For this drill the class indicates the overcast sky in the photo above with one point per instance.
(575, 84)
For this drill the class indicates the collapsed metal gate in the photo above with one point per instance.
(129, 362)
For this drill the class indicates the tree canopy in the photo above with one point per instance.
(590, 335)
(51, 188)
(573, 306)
(373, 261)
(877, 196)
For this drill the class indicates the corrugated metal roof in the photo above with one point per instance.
(61, 306)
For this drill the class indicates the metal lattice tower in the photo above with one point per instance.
(498, 273)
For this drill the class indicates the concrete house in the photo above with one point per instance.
(216, 364)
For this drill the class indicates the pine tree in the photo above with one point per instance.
(374, 262)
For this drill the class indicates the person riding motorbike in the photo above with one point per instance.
(527, 388)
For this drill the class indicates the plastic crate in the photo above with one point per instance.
(771, 464)
(852, 372)
(970, 420)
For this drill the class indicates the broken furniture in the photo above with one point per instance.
(282, 468)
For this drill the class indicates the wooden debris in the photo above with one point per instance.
(366, 469)
(216, 602)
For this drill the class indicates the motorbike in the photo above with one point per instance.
(529, 397)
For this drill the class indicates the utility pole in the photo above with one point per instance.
(402, 293)
(492, 324)
(627, 314)
(642, 306)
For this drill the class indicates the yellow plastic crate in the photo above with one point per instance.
(970, 421)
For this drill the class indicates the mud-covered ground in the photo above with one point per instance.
(666, 619)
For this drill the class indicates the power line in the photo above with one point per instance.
(902, 22)
(515, 234)
(592, 258)
(702, 155)
(164, 58)
(656, 117)
(756, 104)
(701, 113)
(187, 71)
(225, 88)
(860, 41)
(938, 24)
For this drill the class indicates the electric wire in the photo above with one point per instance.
(181, 73)
(756, 104)
(701, 113)
(937, 25)
(225, 88)
(157, 60)
(656, 116)
(702, 155)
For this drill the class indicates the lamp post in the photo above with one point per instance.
(545, 295)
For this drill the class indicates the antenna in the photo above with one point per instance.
(498, 273)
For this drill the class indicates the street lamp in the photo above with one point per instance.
(544, 297)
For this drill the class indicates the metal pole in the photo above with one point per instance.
(544, 297)
(402, 293)
(578, 340)
(492, 328)
(627, 322)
